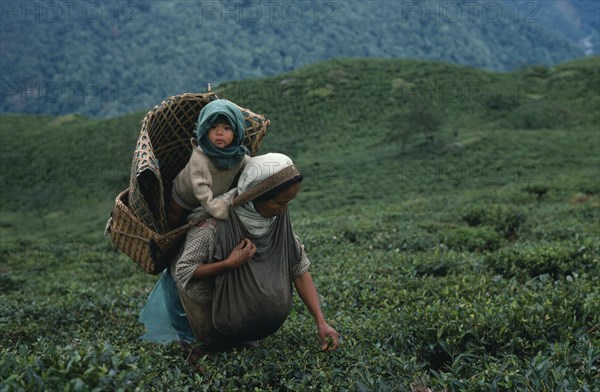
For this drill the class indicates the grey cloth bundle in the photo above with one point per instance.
(253, 301)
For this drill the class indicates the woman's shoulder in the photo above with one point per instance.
(202, 230)
(209, 223)
(200, 236)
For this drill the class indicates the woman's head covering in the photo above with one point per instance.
(231, 155)
(261, 174)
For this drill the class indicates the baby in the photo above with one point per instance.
(218, 155)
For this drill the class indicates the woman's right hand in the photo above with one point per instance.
(241, 254)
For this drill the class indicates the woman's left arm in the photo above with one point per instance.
(308, 293)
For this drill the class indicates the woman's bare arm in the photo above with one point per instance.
(305, 286)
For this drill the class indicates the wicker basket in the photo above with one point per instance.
(138, 224)
(150, 250)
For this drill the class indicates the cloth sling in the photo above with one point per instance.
(252, 301)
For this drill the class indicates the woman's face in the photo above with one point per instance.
(278, 205)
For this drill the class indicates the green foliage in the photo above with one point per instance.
(472, 239)
(423, 119)
(106, 59)
(506, 220)
(441, 268)
(49, 366)
(538, 190)
(577, 21)
(532, 260)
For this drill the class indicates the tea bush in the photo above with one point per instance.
(442, 315)
(476, 269)
(473, 239)
(506, 220)
(530, 260)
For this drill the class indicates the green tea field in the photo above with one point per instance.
(451, 216)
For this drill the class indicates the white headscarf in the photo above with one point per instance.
(257, 170)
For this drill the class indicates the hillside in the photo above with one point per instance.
(341, 119)
(450, 215)
(107, 59)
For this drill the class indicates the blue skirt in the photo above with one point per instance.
(163, 315)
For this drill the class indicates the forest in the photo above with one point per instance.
(103, 59)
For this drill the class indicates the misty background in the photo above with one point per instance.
(103, 59)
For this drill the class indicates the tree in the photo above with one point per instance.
(423, 118)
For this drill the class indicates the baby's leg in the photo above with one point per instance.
(176, 215)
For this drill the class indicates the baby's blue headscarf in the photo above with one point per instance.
(231, 155)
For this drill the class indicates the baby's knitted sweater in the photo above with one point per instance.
(201, 181)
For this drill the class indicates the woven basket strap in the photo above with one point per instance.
(174, 232)
(129, 235)
(157, 238)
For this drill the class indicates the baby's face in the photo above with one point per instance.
(221, 135)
